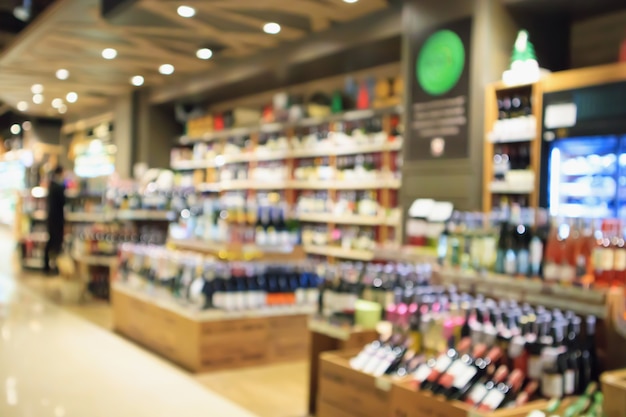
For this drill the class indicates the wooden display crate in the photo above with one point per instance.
(345, 392)
(406, 401)
(614, 390)
(202, 345)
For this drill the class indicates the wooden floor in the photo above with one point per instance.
(268, 391)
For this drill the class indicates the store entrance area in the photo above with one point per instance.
(61, 360)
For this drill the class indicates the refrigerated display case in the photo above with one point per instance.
(584, 152)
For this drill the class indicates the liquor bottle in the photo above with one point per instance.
(517, 351)
(444, 361)
(588, 360)
(457, 368)
(364, 356)
(524, 397)
(472, 372)
(554, 365)
(540, 340)
(480, 390)
(604, 254)
(620, 257)
(259, 227)
(554, 255)
(503, 393)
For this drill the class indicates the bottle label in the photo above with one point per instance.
(567, 273)
(535, 367)
(456, 369)
(464, 378)
(477, 394)
(607, 259)
(597, 258)
(443, 362)
(552, 385)
(516, 347)
(493, 399)
(551, 271)
(422, 373)
(620, 260)
(569, 383)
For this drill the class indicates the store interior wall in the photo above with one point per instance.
(493, 33)
(123, 135)
(596, 40)
(155, 131)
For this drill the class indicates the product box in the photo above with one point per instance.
(614, 390)
(343, 391)
(406, 401)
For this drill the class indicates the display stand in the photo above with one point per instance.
(326, 337)
(203, 341)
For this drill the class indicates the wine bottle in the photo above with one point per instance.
(444, 361)
(471, 374)
(458, 367)
(482, 388)
(503, 392)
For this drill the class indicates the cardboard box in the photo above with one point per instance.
(614, 389)
(352, 392)
(406, 401)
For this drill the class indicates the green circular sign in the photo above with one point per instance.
(440, 62)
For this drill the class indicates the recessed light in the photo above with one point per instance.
(16, 129)
(109, 53)
(38, 98)
(63, 74)
(137, 80)
(57, 102)
(63, 109)
(204, 53)
(36, 89)
(350, 1)
(186, 11)
(22, 106)
(71, 97)
(272, 28)
(166, 69)
(26, 125)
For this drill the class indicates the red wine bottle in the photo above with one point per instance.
(503, 392)
(472, 374)
(481, 389)
(444, 361)
(458, 367)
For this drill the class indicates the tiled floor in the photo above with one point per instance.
(66, 346)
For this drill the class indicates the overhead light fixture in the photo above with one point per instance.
(109, 53)
(71, 97)
(38, 98)
(137, 80)
(63, 74)
(186, 11)
(63, 109)
(204, 53)
(22, 106)
(16, 129)
(350, 1)
(57, 102)
(166, 69)
(26, 125)
(36, 89)
(272, 28)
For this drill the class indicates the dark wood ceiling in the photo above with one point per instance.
(10, 26)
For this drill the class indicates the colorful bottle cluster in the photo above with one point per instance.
(489, 354)
(527, 243)
(205, 283)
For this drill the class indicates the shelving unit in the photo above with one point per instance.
(227, 250)
(521, 132)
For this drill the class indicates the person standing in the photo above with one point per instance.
(56, 217)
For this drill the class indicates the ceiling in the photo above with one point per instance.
(10, 26)
(71, 34)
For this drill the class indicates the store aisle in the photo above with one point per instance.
(53, 363)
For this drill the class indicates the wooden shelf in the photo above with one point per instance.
(374, 184)
(192, 164)
(154, 215)
(252, 185)
(350, 219)
(339, 252)
(85, 217)
(501, 187)
(534, 291)
(96, 260)
(239, 251)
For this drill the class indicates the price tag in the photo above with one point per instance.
(383, 383)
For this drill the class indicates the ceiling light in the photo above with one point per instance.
(57, 102)
(63, 74)
(36, 89)
(204, 53)
(271, 28)
(22, 106)
(26, 125)
(350, 1)
(63, 109)
(16, 129)
(109, 53)
(186, 11)
(166, 69)
(71, 97)
(137, 80)
(38, 99)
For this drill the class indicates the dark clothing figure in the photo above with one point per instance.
(55, 222)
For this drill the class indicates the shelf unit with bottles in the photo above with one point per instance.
(512, 150)
(348, 156)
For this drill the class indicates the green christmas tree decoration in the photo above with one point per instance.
(523, 51)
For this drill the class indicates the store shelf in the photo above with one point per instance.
(190, 165)
(408, 254)
(85, 217)
(256, 157)
(351, 219)
(32, 263)
(36, 237)
(374, 184)
(226, 249)
(586, 301)
(149, 215)
(39, 215)
(253, 185)
(350, 115)
(501, 187)
(339, 150)
(209, 187)
(339, 252)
